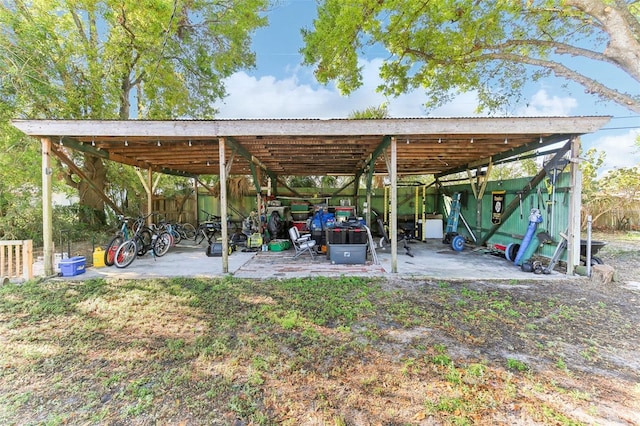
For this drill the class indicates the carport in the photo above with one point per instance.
(300, 147)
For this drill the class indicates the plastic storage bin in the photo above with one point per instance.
(337, 236)
(357, 236)
(350, 254)
(73, 266)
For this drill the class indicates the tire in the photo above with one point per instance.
(143, 241)
(511, 251)
(110, 250)
(458, 243)
(125, 254)
(176, 237)
(199, 238)
(161, 244)
(596, 261)
(188, 231)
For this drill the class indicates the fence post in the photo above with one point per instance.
(27, 259)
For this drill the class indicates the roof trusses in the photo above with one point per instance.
(310, 147)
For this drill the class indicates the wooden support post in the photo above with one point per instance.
(575, 196)
(149, 195)
(47, 209)
(393, 221)
(223, 206)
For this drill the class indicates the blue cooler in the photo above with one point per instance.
(73, 266)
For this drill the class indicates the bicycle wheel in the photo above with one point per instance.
(125, 254)
(144, 240)
(161, 244)
(112, 247)
(176, 237)
(188, 231)
(200, 236)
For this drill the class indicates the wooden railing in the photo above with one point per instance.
(16, 259)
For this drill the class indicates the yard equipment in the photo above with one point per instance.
(524, 252)
(562, 245)
(384, 239)
(595, 248)
(451, 231)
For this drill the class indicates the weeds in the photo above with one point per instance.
(227, 351)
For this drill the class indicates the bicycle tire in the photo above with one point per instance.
(112, 247)
(200, 236)
(188, 231)
(126, 254)
(176, 237)
(161, 244)
(144, 239)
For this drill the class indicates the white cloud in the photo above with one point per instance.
(542, 105)
(268, 97)
(621, 149)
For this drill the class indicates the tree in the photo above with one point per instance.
(492, 47)
(151, 59)
(373, 112)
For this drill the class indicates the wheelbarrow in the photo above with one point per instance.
(595, 248)
(562, 245)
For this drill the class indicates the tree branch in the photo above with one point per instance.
(592, 86)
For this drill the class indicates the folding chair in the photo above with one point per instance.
(301, 243)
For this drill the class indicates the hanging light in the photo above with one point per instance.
(159, 144)
(439, 140)
(61, 142)
(189, 142)
(126, 142)
(506, 141)
(540, 141)
(93, 142)
(471, 140)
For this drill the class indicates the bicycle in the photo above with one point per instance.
(208, 229)
(129, 249)
(158, 242)
(176, 237)
(121, 236)
(156, 238)
(186, 230)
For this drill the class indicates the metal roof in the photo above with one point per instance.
(301, 147)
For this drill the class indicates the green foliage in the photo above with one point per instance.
(381, 111)
(492, 48)
(68, 59)
(93, 57)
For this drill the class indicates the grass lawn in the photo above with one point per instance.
(345, 351)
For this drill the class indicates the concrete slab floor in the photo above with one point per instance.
(431, 260)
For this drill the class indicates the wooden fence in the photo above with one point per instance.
(16, 259)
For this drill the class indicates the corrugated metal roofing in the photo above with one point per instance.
(301, 147)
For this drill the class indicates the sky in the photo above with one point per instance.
(280, 87)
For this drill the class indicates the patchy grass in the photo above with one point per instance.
(311, 351)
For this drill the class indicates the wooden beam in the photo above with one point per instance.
(575, 200)
(47, 207)
(393, 221)
(223, 207)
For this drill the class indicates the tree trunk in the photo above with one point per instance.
(92, 205)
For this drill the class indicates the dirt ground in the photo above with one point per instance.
(336, 351)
